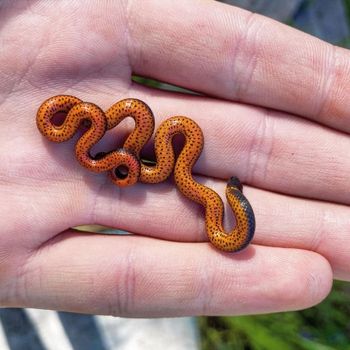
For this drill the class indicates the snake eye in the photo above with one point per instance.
(121, 172)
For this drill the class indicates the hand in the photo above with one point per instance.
(295, 161)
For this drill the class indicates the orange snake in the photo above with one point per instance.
(128, 157)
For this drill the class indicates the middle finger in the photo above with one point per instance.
(264, 148)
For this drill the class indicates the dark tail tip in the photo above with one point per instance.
(235, 182)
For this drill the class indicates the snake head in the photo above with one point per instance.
(235, 182)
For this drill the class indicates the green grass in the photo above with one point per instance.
(323, 327)
(347, 8)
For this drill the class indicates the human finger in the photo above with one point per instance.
(143, 277)
(264, 148)
(231, 53)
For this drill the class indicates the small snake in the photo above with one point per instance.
(125, 167)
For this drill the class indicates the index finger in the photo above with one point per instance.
(231, 53)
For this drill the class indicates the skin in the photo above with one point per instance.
(77, 112)
(274, 113)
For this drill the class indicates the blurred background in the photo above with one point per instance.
(324, 327)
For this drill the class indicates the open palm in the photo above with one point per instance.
(295, 161)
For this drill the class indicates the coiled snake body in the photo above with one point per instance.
(128, 157)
